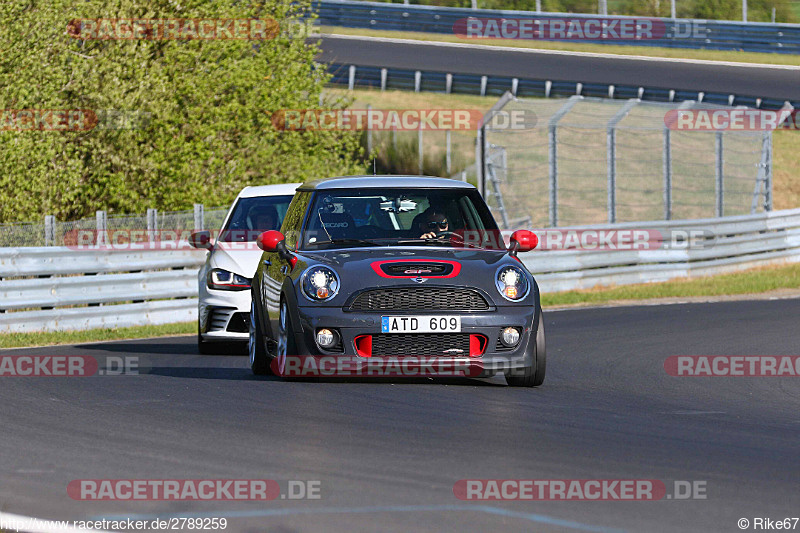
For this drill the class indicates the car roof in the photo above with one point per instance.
(282, 189)
(381, 182)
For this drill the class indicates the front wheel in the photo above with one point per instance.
(286, 344)
(256, 347)
(534, 374)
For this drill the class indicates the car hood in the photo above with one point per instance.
(238, 257)
(358, 267)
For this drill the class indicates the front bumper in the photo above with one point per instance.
(495, 358)
(224, 315)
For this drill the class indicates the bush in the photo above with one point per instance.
(209, 101)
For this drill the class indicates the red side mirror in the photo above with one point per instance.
(201, 239)
(523, 241)
(269, 240)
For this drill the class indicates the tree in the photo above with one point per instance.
(208, 101)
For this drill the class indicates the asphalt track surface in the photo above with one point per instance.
(387, 453)
(727, 79)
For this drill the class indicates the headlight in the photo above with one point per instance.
(512, 283)
(320, 283)
(226, 281)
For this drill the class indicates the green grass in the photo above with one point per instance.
(710, 55)
(15, 340)
(754, 281)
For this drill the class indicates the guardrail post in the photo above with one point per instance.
(483, 85)
(448, 83)
(720, 173)
(152, 225)
(351, 82)
(548, 87)
(611, 157)
(199, 217)
(49, 230)
(514, 86)
(384, 75)
(417, 80)
(101, 225)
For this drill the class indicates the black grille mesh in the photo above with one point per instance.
(420, 344)
(419, 298)
(239, 323)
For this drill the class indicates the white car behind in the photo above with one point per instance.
(224, 280)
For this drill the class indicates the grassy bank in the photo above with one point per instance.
(15, 340)
(756, 281)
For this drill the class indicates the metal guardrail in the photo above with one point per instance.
(709, 34)
(63, 288)
(84, 289)
(353, 76)
(733, 244)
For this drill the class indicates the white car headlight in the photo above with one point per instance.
(320, 283)
(512, 283)
(224, 280)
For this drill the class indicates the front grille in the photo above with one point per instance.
(420, 344)
(218, 318)
(419, 299)
(239, 323)
(423, 269)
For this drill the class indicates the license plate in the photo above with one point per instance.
(421, 324)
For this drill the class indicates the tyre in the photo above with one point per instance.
(203, 347)
(286, 341)
(256, 347)
(533, 375)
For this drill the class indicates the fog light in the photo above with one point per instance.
(510, 337)
(326, 338)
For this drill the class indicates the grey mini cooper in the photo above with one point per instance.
(396, 267)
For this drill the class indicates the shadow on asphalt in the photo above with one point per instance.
(162, 348)
(244, 374)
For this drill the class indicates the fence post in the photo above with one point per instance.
(480, 160)
(420, 148)
(552, 145)
(369, 130)
(101, 225)
(667, 163)
(152, 225)
(720, 174)
(199, 217)
(611, 157)
(448, 158)
(768, 175)
(49, 230)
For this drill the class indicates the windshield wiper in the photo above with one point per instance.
(347, 241)
(438, 240)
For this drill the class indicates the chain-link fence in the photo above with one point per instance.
(591, 160)
(153, 225)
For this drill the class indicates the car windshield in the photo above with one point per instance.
(253, 216)
(399, 216)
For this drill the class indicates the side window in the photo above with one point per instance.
(294, 218)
